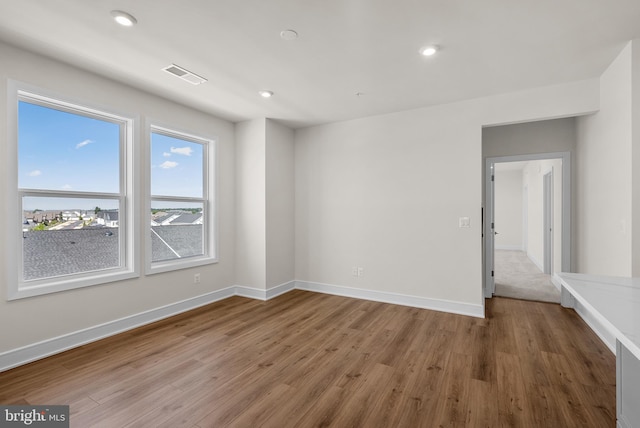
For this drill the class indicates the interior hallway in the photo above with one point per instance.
(518, 277)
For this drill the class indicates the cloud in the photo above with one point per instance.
(168, 164)
(66, 187)
(84, 143)
(166, 155)
(186, 151)
(35, 173)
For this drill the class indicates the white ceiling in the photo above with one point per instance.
(344, 47)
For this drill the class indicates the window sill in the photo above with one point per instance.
(25, 290)
(172, 265)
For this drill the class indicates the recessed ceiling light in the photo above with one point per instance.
(288, 34)
(123, 18)
(429, 50)
(265, 94)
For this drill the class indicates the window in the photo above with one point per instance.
(180, 204)
(72, 223)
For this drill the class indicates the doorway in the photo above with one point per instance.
(525, 197)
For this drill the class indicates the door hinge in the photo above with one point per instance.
(493, 178)
(492, 226)
(491, 274)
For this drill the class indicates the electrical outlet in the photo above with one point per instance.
(196, 278)
(360, 271)
(354, 271)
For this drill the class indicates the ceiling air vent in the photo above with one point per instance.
(184, 74)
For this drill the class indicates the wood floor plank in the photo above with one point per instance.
(534, 370)
(365, 402)
(399, 385)
(512, 396)
(325, 410)
(483, 408)
(540, 406)
(483, 362)
(309, 359)
(454, 395)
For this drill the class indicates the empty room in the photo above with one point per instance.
(295, 214)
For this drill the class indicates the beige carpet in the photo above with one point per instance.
(518, 277)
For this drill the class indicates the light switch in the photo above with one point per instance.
(464, 222)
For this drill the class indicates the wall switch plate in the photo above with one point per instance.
(464, 222)
(354, 271)
(360, 271)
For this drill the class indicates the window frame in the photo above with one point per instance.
(18, 288)
(208, 200)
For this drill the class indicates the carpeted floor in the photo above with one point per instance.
(518, 277)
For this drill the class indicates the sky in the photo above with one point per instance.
(176, 166)
(68, 152)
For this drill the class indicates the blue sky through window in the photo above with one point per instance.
(66, 152)
(176, 167)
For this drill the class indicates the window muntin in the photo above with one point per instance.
(71, 161)
(181, 232)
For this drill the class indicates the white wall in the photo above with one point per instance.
(635, 157)
(386, 192)
(545, 136)
(533, 178)
(508, 209)
(604, 170)
(28, 321)
(251, 225)
(280, 208)
(265, 209)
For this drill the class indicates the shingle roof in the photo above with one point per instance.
(186, 219)
(108, 215)
(162, 218)
(186, 240)
(50, 253)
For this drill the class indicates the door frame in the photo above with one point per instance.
(488, 230)
(548, 210)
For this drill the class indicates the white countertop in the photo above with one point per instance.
(614, 301)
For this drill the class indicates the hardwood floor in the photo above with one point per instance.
(306, 359)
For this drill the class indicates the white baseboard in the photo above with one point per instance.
(607, 337)
(261, 294)
(280, 289)
(250, 292)
(36, 351)
(535, 262)
(394, 298)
